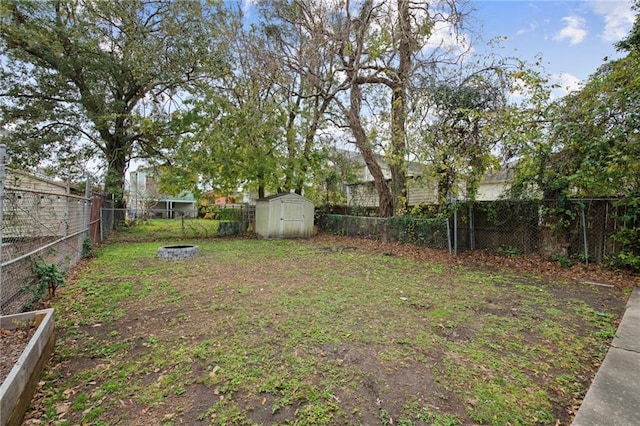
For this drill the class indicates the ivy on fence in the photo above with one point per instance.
(628, 234)
(567, 230)
(422, 232)
(406, 229)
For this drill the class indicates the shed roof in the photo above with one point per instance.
(283, 194)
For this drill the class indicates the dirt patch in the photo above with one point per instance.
(13, 341)
(534, 265)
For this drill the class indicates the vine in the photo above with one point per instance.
(628, 235)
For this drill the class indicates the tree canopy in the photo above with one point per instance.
(588, 144)
(97, 80)
(224, 102)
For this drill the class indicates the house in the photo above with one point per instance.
(421, 189)
(495, 184)
(144, 198)
(30, 201)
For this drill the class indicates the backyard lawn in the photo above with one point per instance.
(319, 331)
(163, 229)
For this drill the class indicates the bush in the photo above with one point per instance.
(419, 231)
(628, 235)
(87, 248)
(48, 277)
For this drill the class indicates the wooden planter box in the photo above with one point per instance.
(17, 389)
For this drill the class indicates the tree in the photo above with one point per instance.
(233, 134)
(224, 146)
(300, 68)
(383, 44)
(463, 125)
(597, 129)
(97, 80)
(590, 145)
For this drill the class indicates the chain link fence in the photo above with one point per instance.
(229, 219)
(565, 230)
(580, 229)
(41, 221)
(423, 232)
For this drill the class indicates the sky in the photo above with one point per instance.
(572, 37)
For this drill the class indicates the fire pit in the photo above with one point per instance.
(177, 252)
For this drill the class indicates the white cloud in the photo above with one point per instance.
(532, 27)
(574, 30)
(444, 35)
(447, 36)
(618, 18)
(566, 83)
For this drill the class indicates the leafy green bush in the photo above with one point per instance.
(48, 277)
(628, 235)
(334, 224)
(419, 231)
(227, 214)
(87, 248)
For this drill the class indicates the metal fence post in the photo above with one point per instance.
(584, 236)
(3, 156)
(455, 229)
(449, 236)
(472, 232)
(87, 205)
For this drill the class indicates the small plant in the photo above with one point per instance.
(580, 257)
(508, 251)
(563, 260)
(48, 277)
(87, 248)
(627, 236)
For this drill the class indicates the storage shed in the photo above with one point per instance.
(284, 216)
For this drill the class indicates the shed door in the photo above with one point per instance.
(291, 218)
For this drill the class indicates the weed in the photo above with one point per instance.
(80, 402)
(508, 251)
(48, 277)
(87, 248)
(563, 260)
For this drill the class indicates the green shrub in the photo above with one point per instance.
(87, 248)
(628, 234)
(417, 230)
(48, 277)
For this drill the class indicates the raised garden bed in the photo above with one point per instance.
(18, 386)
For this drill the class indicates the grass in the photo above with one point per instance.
(297, 332)
(167, 229)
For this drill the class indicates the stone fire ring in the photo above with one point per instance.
(177, 252)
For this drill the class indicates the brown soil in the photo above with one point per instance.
(529, 265)
(12, 343)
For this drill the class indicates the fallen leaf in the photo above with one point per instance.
(62, 409)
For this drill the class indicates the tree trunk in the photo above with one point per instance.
(363, 145)
(117, 159)
(397, 159)
(445, 182)
(319, 108)
(292, 152)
